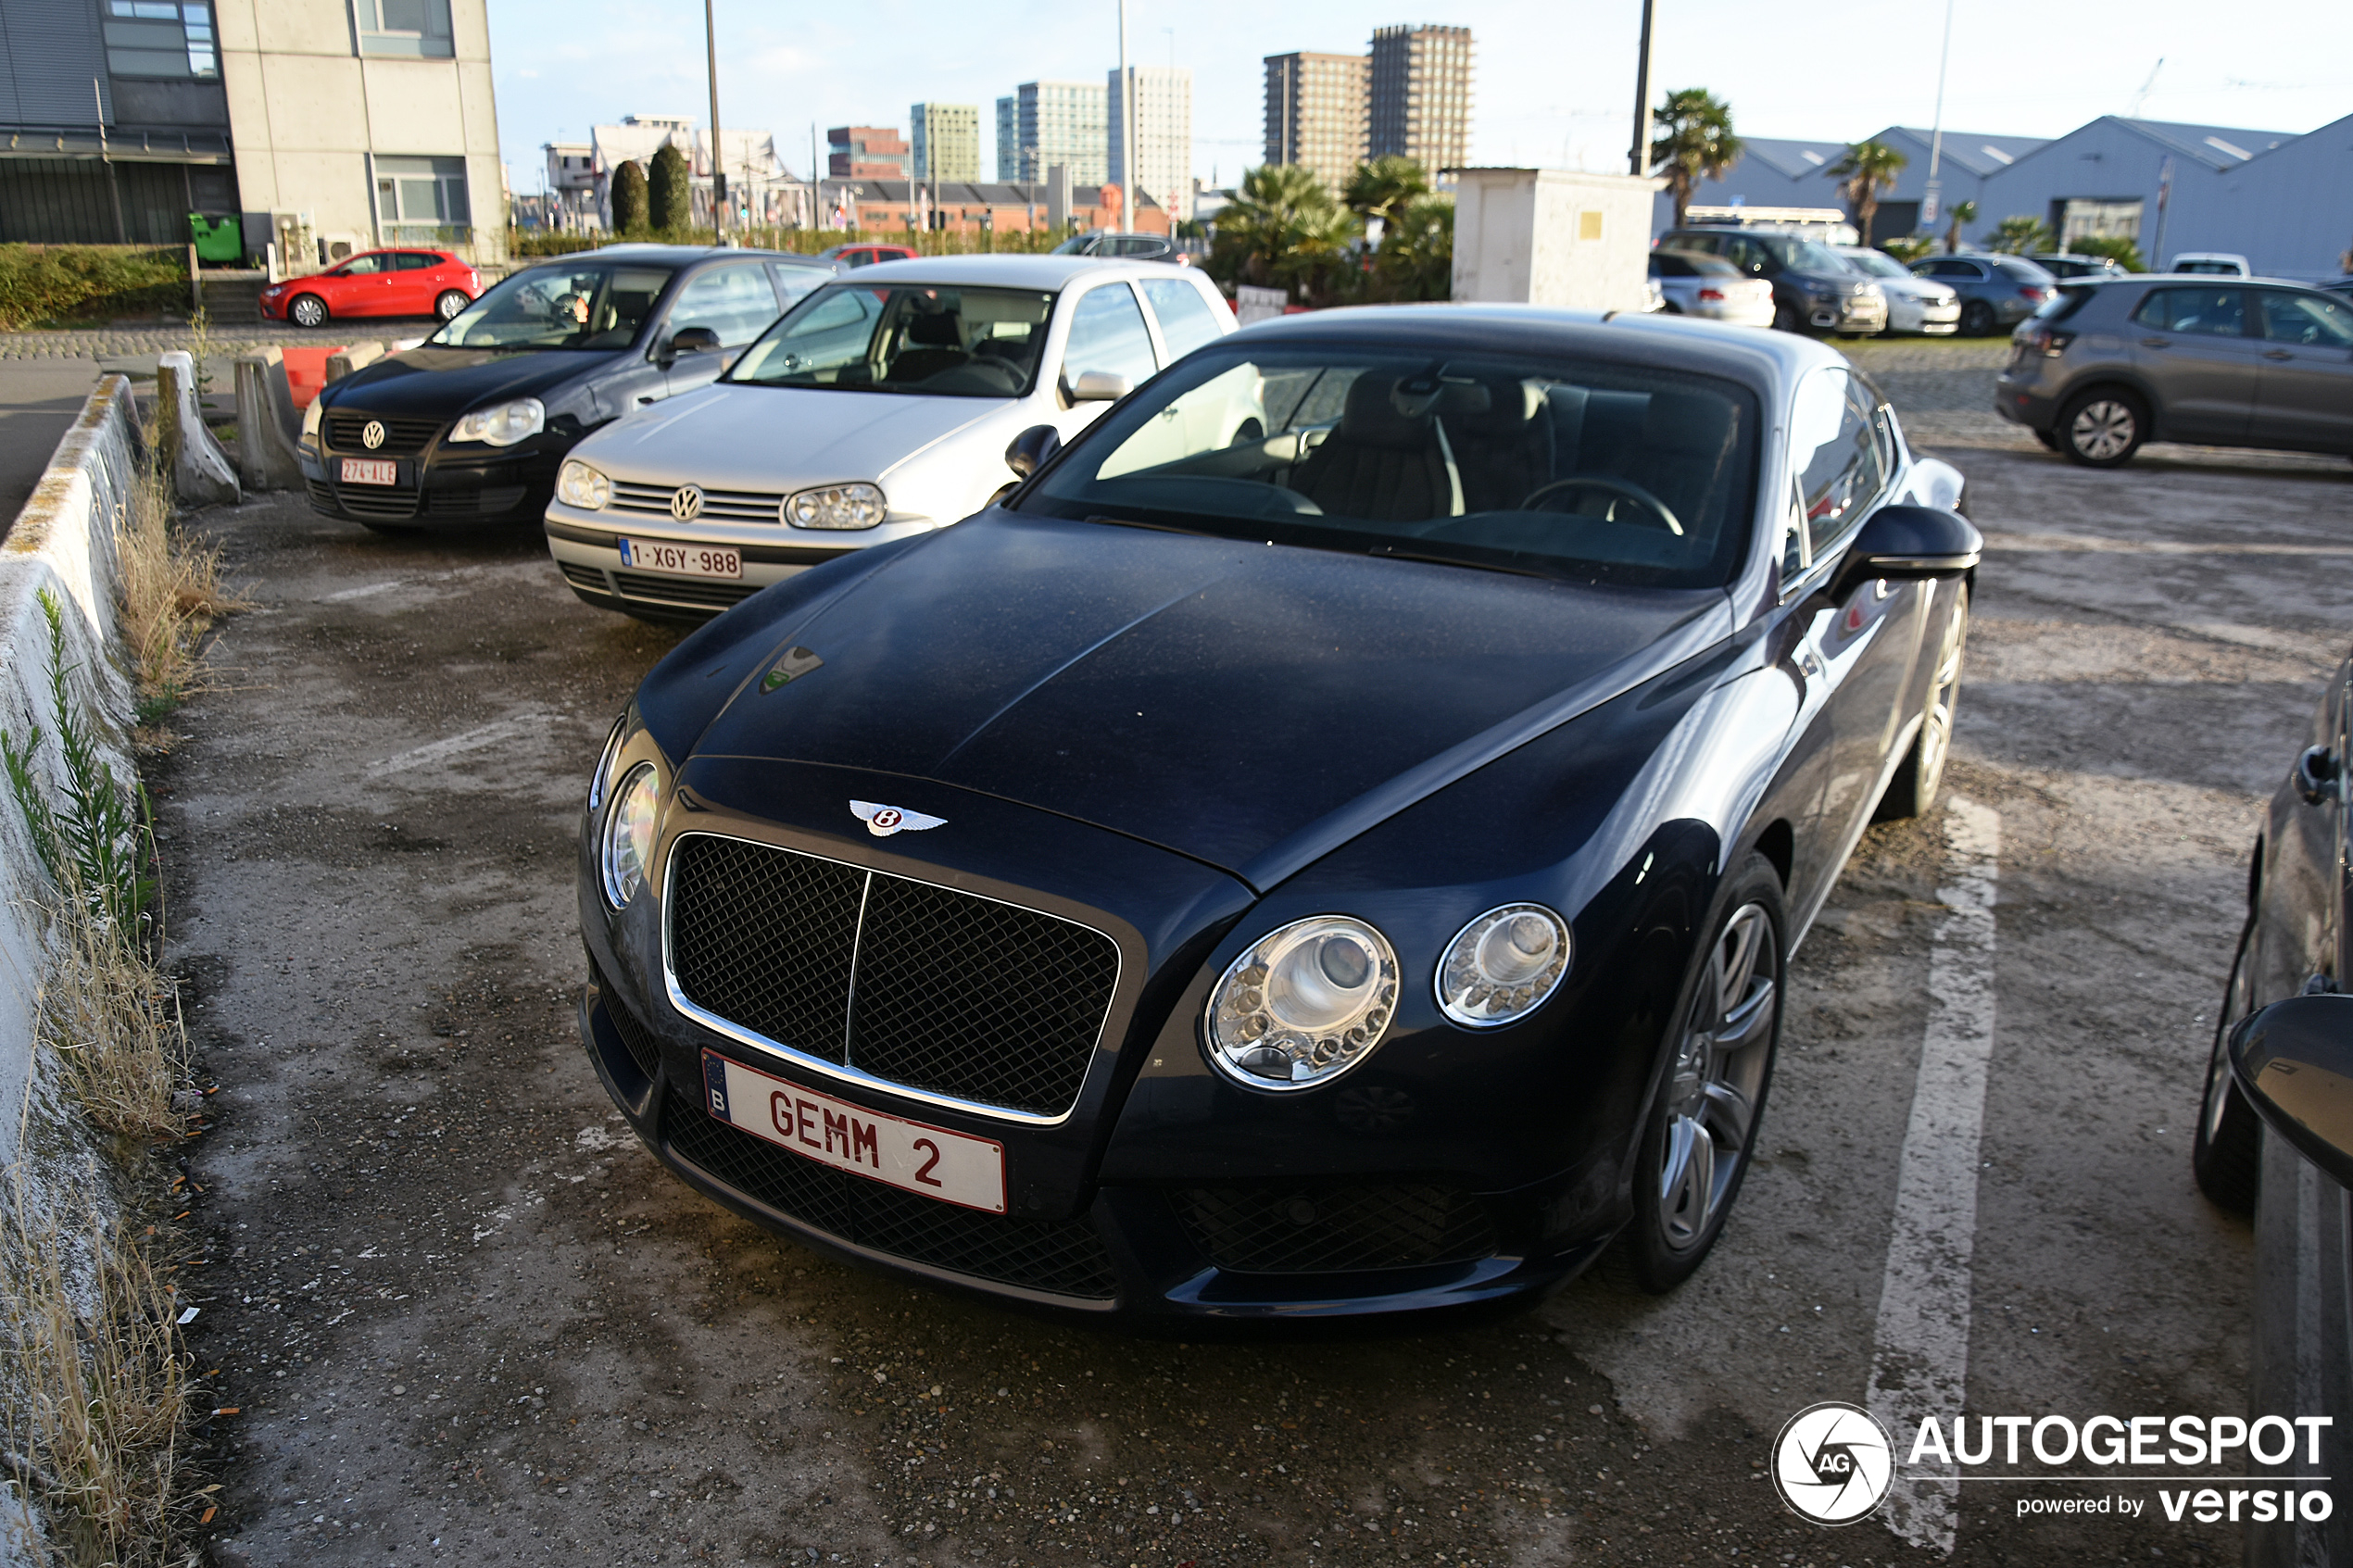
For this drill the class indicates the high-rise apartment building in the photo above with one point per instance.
(947, 142)
(1420, 99)
(866, 151)
(1044, 124)
(1163, 163)
(1316, 108)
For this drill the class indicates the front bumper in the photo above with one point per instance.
(1865, 314)
(437, 489)
(1929, 320)
(586, 549)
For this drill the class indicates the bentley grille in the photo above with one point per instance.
(943, 991)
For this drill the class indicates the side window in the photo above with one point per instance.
(362, 267)
(1748, 255)
(1185, 320)
(2194, 312)
(1836, 450)
(795, 284)
(416, 262)
(736, 301)
(2305, 319)
(1706, 244)
(1107, 334)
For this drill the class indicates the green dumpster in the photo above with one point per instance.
(218, 239)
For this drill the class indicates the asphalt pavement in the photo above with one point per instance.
(459, 1316)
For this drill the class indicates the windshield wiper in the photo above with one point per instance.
(1157, 527)
(1438, 558)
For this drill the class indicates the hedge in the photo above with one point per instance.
(42, 285)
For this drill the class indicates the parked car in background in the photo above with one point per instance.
(1695, 284)
(467, 429)
(2270, 1143)
(1813, 290)
(2214, 263)
(376, 283)
(1914, 304)
(878, 409)
(2064, 264)
(2112, 364)
(1347, 872)
(865, 253)
(1126, 246)
(1995, 291)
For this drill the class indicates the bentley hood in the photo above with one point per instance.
(1247, 706)
(736, 437)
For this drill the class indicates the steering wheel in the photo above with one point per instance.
(1660, 513)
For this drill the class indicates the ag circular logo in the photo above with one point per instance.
(685, 503)
(371, 435)
(1832, 1462)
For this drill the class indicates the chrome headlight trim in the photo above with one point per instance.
(1302, 1005)
(624, 848)
(1504, 965)
(605, 760)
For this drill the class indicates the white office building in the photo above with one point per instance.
(1163, 136)
(1044, 124)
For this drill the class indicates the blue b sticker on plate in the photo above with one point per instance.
(714, 1073)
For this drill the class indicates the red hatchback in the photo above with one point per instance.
(866, 253)
(376, 283)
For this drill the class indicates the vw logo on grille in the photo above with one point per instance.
(371, 435)
(685, 503)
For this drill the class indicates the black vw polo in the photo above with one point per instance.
(1347, 868)
(469, 426)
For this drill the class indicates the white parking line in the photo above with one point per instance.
(497, 731)
(1920, 1353)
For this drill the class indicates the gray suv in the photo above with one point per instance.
(2110, 364)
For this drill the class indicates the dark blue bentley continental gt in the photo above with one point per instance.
(1340, 859)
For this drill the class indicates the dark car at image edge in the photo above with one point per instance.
(469, 428)
(1344, 872)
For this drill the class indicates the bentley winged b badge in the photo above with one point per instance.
(883, 820)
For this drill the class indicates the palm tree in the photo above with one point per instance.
(1868, 168)
(1693, 141)
(1382, 187)
(1283, 228)
(2018, 235)
(1963, 212)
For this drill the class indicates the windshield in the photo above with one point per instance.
(1874, 264)
(570, 305)
(1596, 472)
(1805, 256)
(931, 342)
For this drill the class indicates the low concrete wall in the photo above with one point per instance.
(63, 541)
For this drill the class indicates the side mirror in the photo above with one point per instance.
(2294, 1061)
(1908, 542)
(1099, 387)
(693, 340)
(1028, 451)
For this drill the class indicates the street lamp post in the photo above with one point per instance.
(1638, 158)
(718, 160)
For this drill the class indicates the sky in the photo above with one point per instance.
(1552, 83)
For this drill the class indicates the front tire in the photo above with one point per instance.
(1977, 319)
(308, 311)
(2102, 428)
(2226, 1152)
(1702, 1131)
(451, 301)
(1913, 791)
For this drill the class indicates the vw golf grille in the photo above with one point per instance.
(943, 992)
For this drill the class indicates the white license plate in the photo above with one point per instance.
(370, 471)
(910, 1156)
(682, 561)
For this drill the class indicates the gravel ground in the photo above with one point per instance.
(110, 343)
(462, 1317)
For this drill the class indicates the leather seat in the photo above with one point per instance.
(1500, 430)
(933, 343)
(1386, 462)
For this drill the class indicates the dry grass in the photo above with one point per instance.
(113, 1020)
(172, 595)
(94, 1386)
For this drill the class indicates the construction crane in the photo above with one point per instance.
(2143, 95)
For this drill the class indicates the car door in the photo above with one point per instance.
(733, 299)
(358, 287)
(410, 286)
(2197, 351)
(2305, 395)
(1107, 333)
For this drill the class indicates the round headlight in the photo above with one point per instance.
(605, 759)
(577, 485)
(837, 506)
(629, 834)
(1501, 966)
(1303, 1004)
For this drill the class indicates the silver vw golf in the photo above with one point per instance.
(879, 406)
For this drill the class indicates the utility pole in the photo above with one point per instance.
(115, 189)
(1126, 128)
(718, 161)
(1936, 136)
(1638, 159)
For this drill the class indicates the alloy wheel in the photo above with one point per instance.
(307, 312)
(2103, 429)
(449, 305)
(1719, 1077)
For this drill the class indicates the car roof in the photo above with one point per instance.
(1756, 357)
(681, 255)
(1011, 271)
